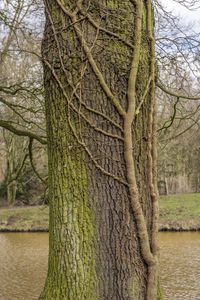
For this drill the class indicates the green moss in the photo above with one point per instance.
(159, 295)
(64, 35)
(72, 257)
(134, 288)
(112, 4)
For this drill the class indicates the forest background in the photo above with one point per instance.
(23, 163)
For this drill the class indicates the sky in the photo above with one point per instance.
(187, 16)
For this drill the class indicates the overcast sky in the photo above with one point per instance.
(186, 15)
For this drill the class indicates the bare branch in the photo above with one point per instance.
(175, 94)
(19, 132)
(31, 161)
(93, 64)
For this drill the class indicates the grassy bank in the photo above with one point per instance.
(32, 218)
(177, 212)
(180, 212)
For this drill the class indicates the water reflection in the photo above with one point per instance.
(23, 265)
(180, 265)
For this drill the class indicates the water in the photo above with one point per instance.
(180, 265)
(23, 265)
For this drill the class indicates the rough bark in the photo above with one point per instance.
(99, 81)
(11, 193)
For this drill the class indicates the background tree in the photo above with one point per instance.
(14, 165)
(178, 145)
(21, 92)
(177, 47)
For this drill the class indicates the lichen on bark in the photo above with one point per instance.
(71, 272)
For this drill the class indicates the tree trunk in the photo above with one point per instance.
(11, 193)
(11, 184)
(99, 83)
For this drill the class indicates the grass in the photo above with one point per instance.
(180, 212)
(177, 212)
(32, 218)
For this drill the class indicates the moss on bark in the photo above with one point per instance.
(98, 71)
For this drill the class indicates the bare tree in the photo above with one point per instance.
(21, 92)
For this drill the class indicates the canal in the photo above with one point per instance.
(23, 265)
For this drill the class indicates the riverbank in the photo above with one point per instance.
(177, 213)
(180, 212)
(24, 219)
